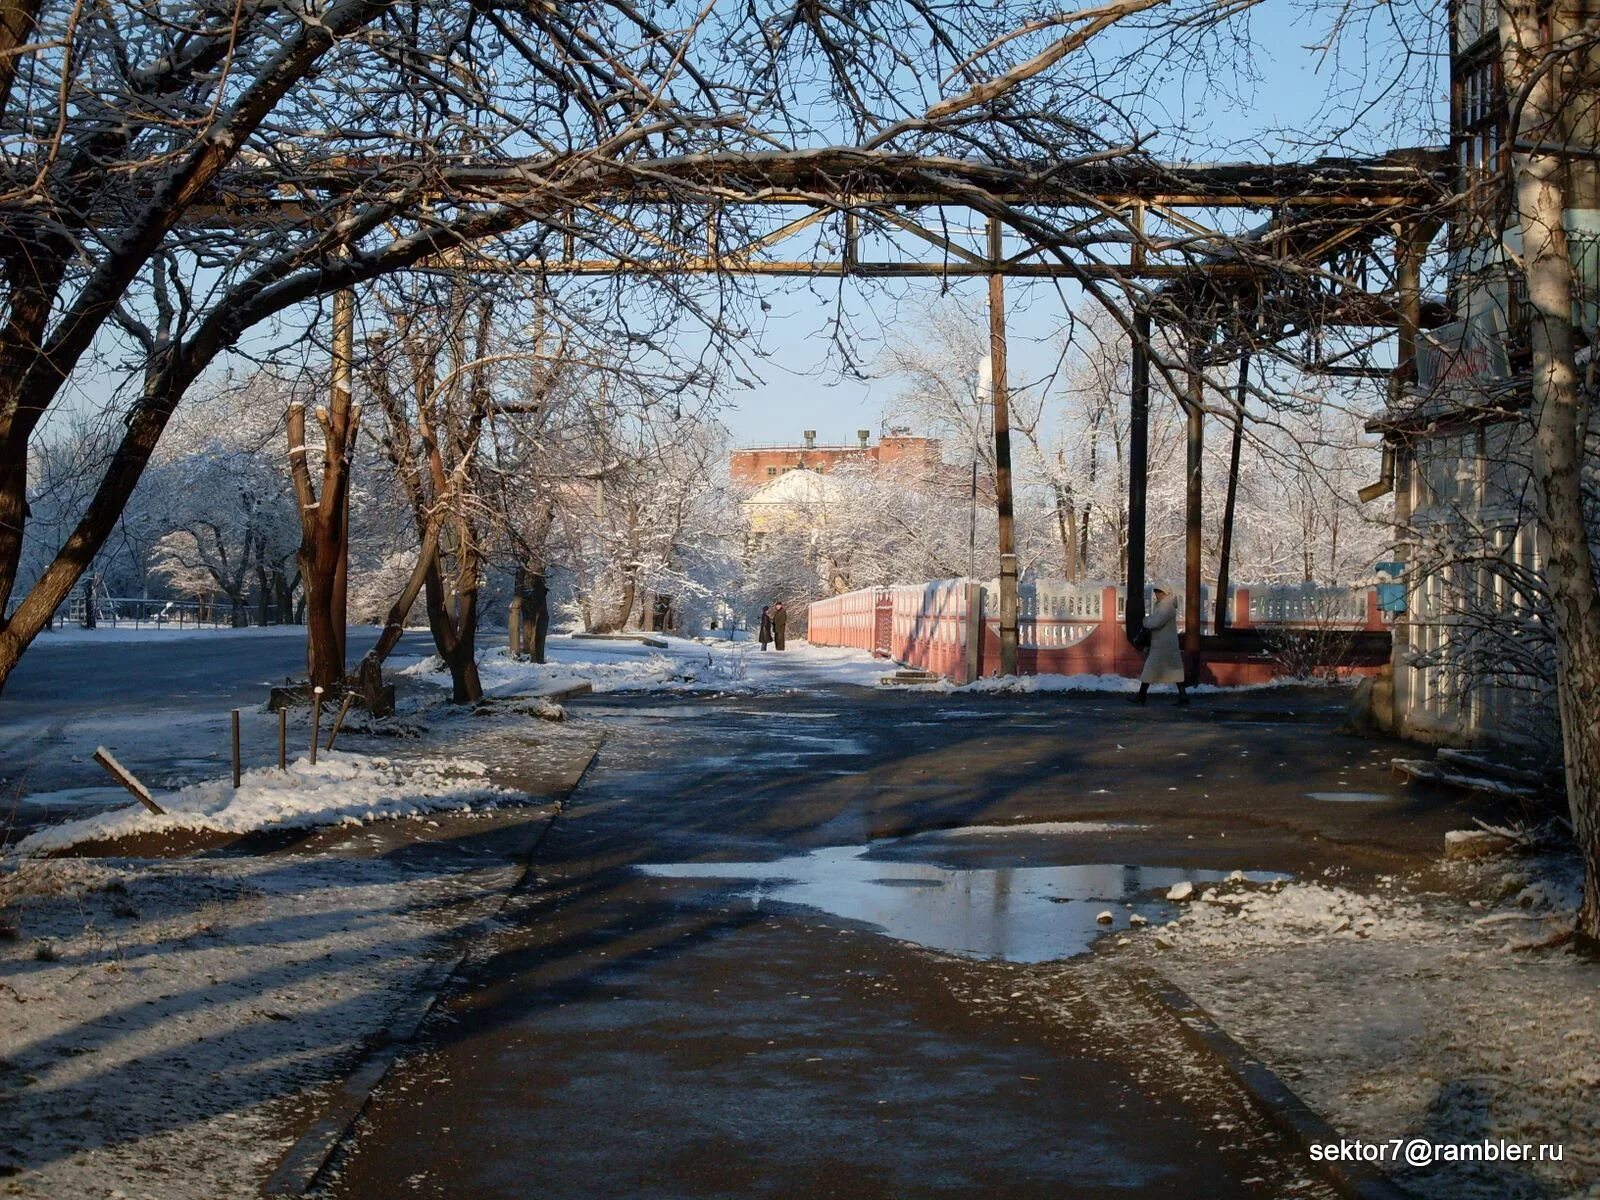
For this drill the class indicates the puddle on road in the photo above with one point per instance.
(1019, 914)
(1351, 797)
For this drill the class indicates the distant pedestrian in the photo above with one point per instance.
(780, 622)
(766, 626)
(1164, 659)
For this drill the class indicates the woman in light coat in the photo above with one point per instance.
(1164, 662)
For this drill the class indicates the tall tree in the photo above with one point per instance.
(1550, 59)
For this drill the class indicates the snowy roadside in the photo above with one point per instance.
(1411, 1011)
(341, 789)
(686, 665)
(167, 1027)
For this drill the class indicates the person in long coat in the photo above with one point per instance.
(1164, 661)
(766, 626)
(780, 622)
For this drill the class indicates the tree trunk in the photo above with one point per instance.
(1067, 530)
(263, 595)
(324, 515)
(369, 674)
(533, 601)
(457, 645)
(1559, 424)
(324, 665)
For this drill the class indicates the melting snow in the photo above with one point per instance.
(341, 788)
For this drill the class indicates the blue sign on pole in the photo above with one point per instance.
(1391, 596)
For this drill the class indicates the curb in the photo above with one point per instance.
(1274, 1098)
(304, 1162)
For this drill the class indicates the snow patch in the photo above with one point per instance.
(1296, 913)
(341, 788)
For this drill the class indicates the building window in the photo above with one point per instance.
(1482, 150)
(772, 470)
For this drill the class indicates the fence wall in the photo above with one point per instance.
(952, 627)
(122, 612)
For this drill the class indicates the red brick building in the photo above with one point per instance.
(752, 466)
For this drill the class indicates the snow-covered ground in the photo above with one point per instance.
(685, 665)
(340, 789)
(1413, 1010)
(165, 1026)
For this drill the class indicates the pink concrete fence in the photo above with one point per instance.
(846, 620)
(950, 627)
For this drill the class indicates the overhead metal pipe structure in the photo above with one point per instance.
(1146, 237)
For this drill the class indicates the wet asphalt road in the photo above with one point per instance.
(636, 1034)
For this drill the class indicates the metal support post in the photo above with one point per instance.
(1002, 452)
(1138, 468)
(1194, 405)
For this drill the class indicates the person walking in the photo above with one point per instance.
(766, 626)
(1164, 659)
(780, 622)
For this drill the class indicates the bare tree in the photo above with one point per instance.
(1550, 59)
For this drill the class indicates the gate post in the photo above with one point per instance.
(972, 655)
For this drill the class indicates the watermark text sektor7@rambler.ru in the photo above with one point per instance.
(1420, 1152)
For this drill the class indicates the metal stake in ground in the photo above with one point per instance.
(236, 748)
(316, 722)
(338, 721)
(126, 778)
(283, 738)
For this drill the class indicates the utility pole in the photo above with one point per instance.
(1002, 452)
(1225, 553)
(1195, 440)
(972, 525)
(1138, 468)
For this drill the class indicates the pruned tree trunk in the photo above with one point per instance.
(1527, 31)
(533, 603)
(324, 517)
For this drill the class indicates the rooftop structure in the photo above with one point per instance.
(753, 466)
